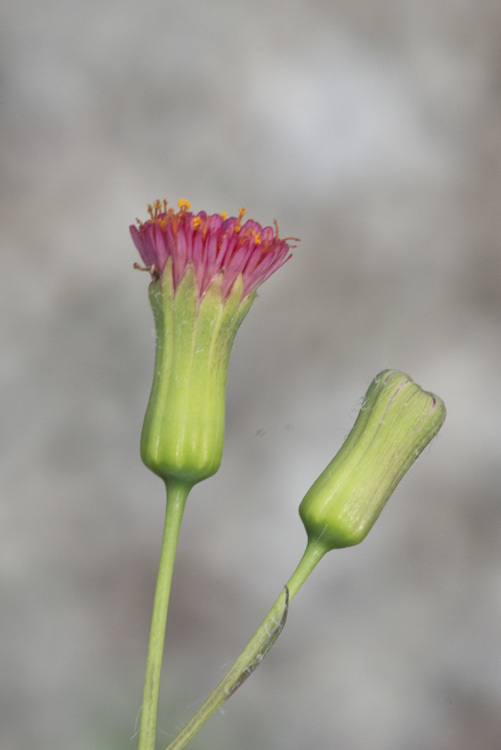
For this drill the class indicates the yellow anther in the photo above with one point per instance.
(238, 225)
(223, 215)
(257, 237)
(183, 204)
(162, 222)
(196, 222)
(156, 208)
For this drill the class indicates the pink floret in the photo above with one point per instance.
(212, 243)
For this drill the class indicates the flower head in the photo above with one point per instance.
(213, 244)
(205, 271)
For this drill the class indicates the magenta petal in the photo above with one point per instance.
(160, 248)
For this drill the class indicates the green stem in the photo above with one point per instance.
(177, 494)
(258, 646)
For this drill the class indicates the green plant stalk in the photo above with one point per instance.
(177, 493)
(257, 648)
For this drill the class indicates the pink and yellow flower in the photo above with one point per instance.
(214, 244)
(205, 271)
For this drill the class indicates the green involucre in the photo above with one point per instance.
(183, 430)
(396, 422)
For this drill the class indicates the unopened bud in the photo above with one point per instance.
(396, 422)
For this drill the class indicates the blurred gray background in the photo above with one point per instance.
(369, 129)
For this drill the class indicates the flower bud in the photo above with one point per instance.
(396, 422)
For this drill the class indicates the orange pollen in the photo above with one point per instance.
(158, 207)
(223, 215)
(184, 204)
(161, 222)
(238, 225)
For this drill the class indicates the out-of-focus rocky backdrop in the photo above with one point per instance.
(371, 130)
